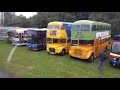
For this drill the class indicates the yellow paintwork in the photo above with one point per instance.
(58, 47)
(55, 23)
(81, 51)
(60, 34)
(84, 51)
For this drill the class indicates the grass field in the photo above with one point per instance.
(30, 64)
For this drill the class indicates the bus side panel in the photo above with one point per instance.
(68, 33)
(96, 47)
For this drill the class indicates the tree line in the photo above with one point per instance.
(41, 19)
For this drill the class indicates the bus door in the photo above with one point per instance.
(96, 47)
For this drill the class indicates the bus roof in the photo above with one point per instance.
(89, 22)
(60, 23)
(41, 29)
(116, 37)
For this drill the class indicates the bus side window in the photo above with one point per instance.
(110, 27)
(94, 28)
(107, 27)
(97, 28)
(103, 27)
(100, 28)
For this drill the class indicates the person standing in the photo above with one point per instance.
(102, 58)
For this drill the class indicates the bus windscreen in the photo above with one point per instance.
(116, 47)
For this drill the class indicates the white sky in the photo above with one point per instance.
(27, 14)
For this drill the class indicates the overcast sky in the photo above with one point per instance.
(27, 14)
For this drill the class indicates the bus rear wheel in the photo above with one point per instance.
(63, 52)
(91, 58)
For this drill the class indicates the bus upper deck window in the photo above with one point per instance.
(75, 27)
(107, 27)
(98, 28)
(50, 27)
(103, 27)
(110, 27)
(94, 28)
(85, 27)
(56, 27)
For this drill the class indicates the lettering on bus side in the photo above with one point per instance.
(79, 35)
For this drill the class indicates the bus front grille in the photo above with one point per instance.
(52, 50)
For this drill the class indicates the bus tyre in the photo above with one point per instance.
(48, 53)
(71, 56)
(63, 52)
(91, 58)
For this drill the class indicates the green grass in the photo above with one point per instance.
(30, 64)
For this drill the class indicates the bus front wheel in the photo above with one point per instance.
(91, 58)
(63, 52)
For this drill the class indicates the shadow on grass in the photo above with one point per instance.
(115, 67)
(82, 60)
(78, 59)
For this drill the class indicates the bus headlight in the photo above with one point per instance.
(85, 52)
(114, 58)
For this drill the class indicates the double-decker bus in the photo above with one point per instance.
(89, 38)
(115, 51)
(36, 39)
(19, 37)
(59, 37)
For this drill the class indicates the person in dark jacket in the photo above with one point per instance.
(102, 58)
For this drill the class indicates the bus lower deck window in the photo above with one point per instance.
(74, 42)
(63, 40)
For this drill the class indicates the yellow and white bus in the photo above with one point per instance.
(58, 37)
(89, 38)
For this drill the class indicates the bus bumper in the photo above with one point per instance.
(115, 63)
(72, 53)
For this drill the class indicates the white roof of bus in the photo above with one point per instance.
(41, 29)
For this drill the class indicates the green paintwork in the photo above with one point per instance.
(88, 35)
